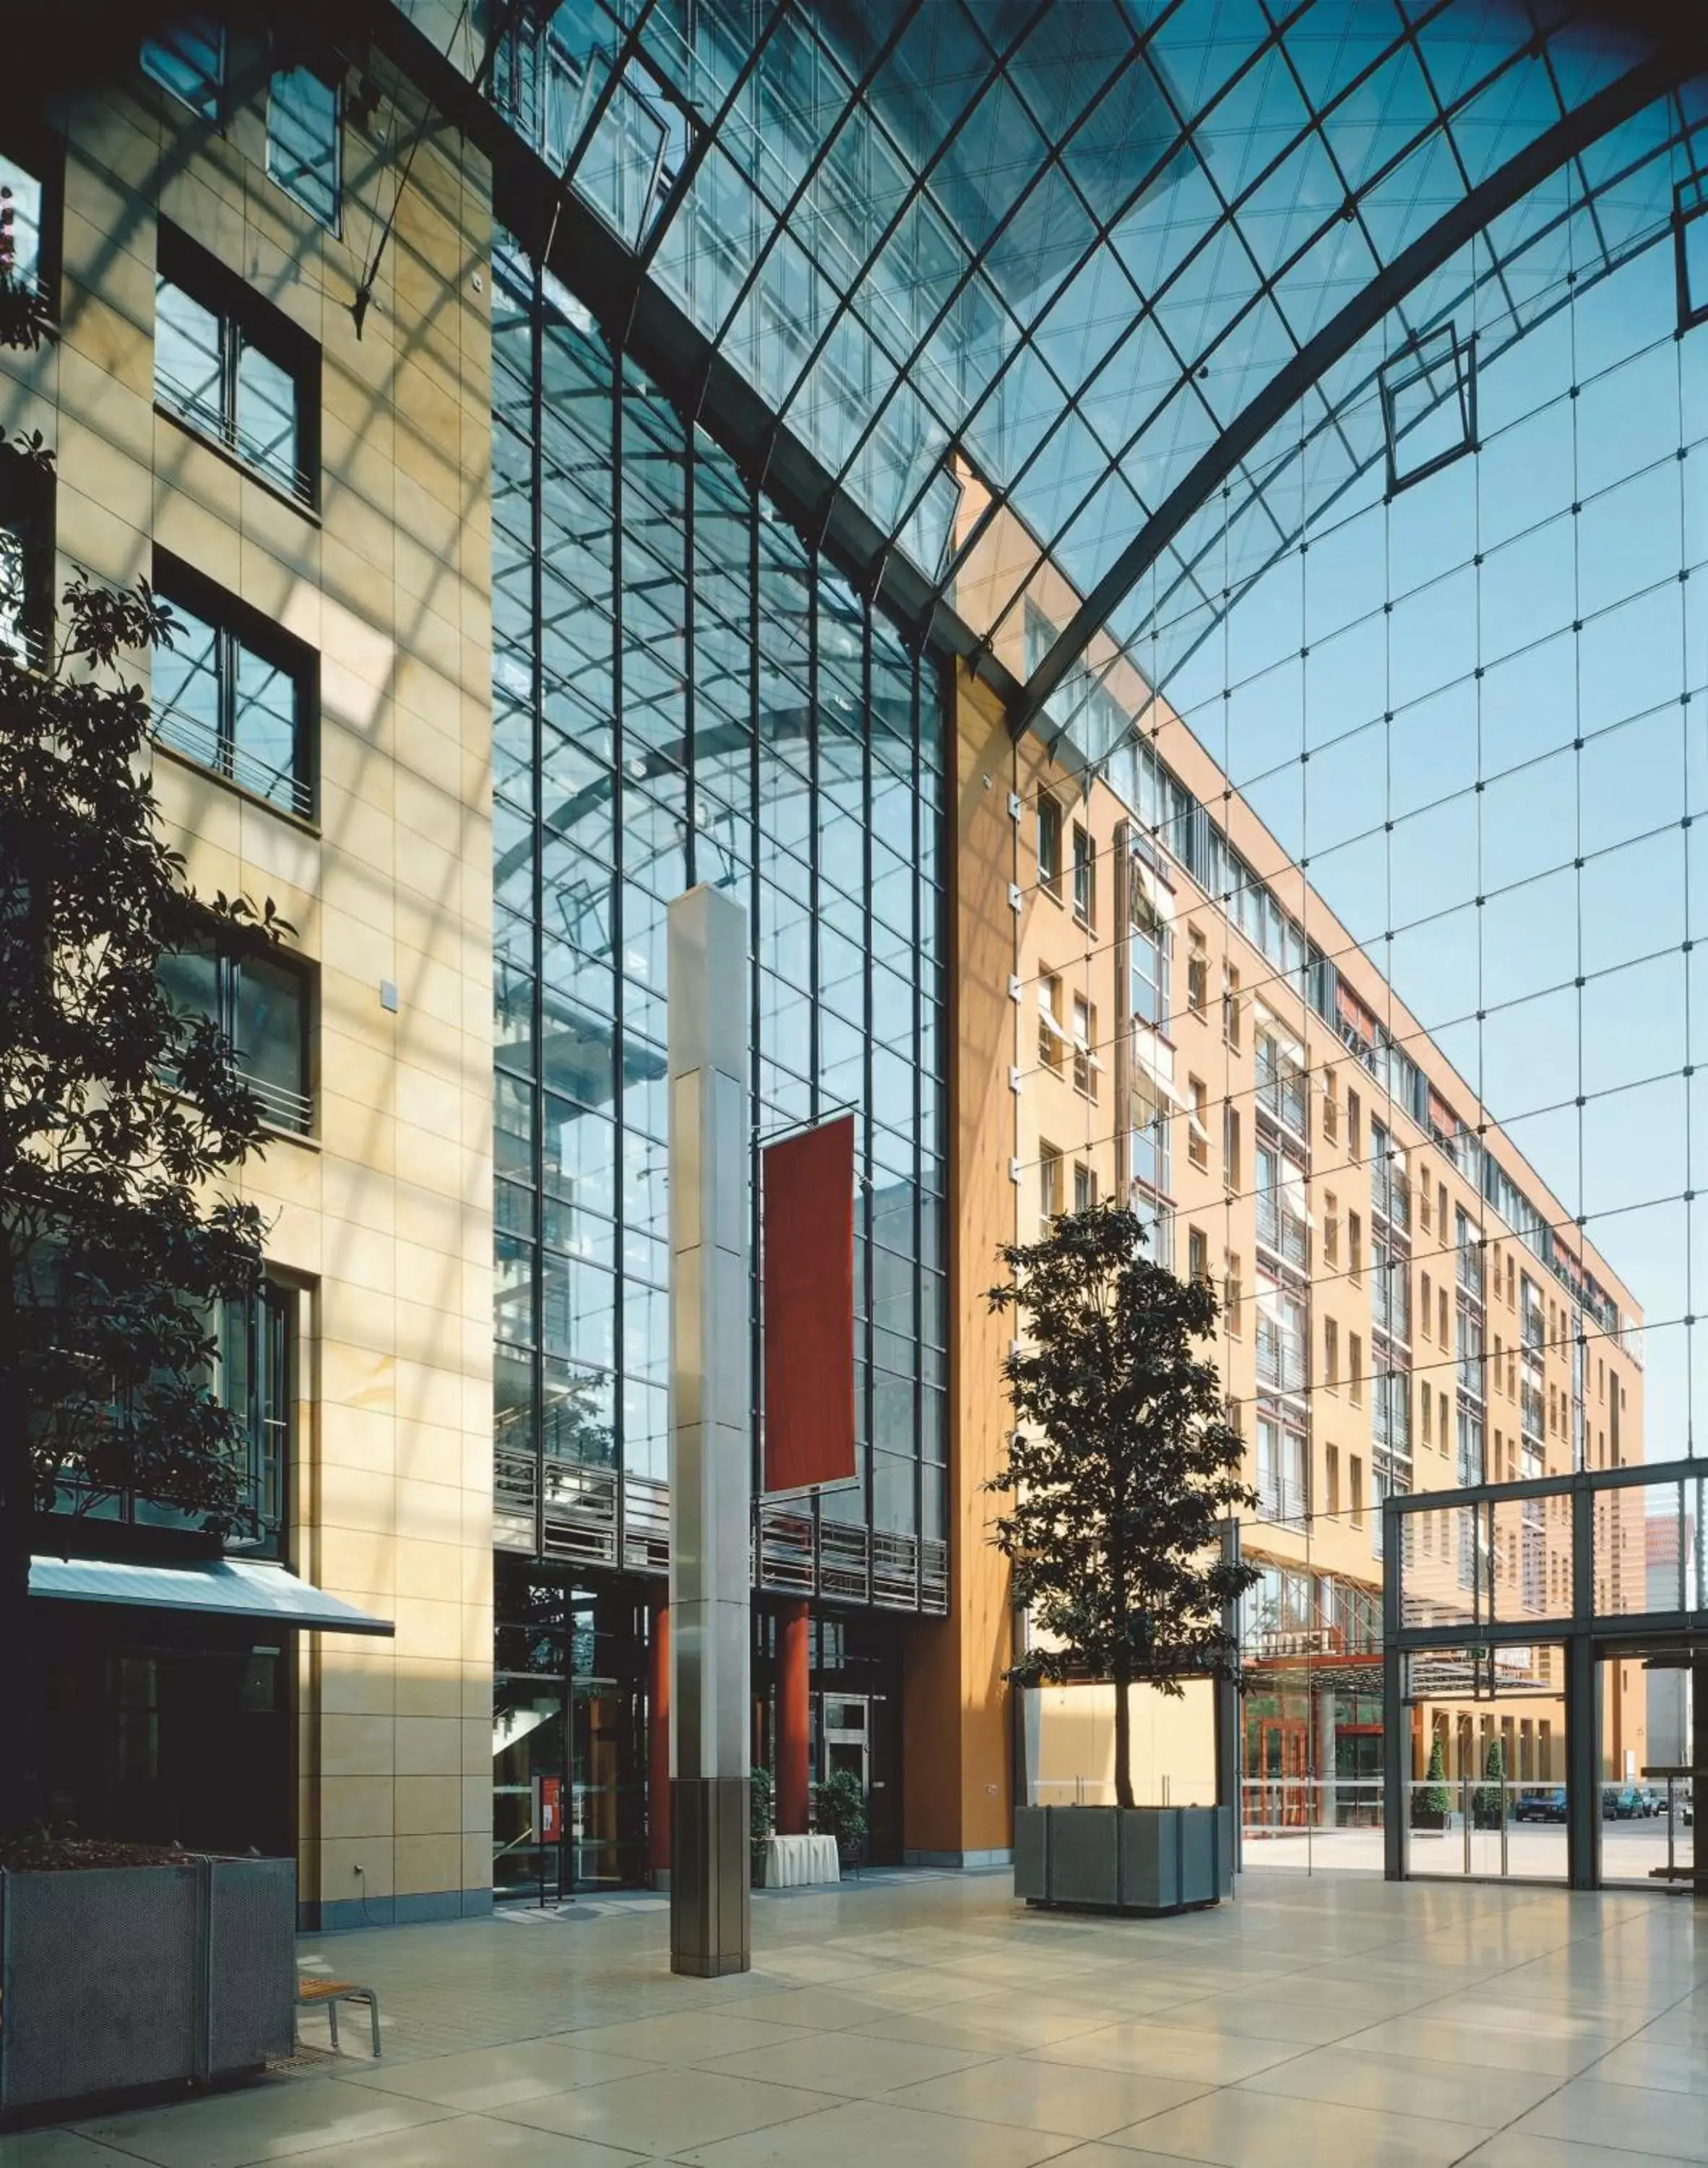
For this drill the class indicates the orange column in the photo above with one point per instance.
(658, 1743)
(791, 1719)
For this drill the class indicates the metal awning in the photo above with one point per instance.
(210, 1588)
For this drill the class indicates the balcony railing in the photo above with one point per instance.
(197, 741)
(1283, 1499)
(1281, 1094)
(1281, 1359)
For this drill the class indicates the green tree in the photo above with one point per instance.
(1123, 1469)
(119, 1117)
(1488, 1801)
(839, 1809)
(1432, 1798)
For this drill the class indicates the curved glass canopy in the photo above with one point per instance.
(1091, 306)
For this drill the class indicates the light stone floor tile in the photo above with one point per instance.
(667, 2112)
(1665, 2066)
(1265, 2016)
(1406, 2085)
(853, 2063)
(1511, 2148)
(1671, 2124)
(865, 2133)
(497, 2077)
(687, 2037)
(55, 2149)
(468, 2141)
(1485, 2047)
(1164, 2051)
(1080, 2103)
(270, 2123)
(996, 2022)
(1240, 2129)
(823, 2010)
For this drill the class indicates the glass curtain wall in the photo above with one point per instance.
(685, 692)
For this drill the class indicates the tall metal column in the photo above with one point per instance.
(1582, 1703)
(1228, 1721)
(793, 1717)
(711, 1451)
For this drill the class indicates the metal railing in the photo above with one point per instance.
(279, 786)
(224, 430)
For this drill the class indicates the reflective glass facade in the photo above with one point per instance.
(683, 692)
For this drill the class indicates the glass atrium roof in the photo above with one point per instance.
(1105, 299)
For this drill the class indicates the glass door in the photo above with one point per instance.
(606, 1810)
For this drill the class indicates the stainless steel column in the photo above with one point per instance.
(711, 1451)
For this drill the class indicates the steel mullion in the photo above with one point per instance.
(1267, 284)
(536, 932)
(1540, 157)
(628, 47)
(782, 217)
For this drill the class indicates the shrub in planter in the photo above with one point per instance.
(1431, 1801)
(761, 1795)
(1488, 1800)
(841, 1813)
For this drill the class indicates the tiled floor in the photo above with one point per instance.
(929, 2021)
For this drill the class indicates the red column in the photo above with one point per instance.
(658, 1742)
(792, 1722)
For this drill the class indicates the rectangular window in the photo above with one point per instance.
(1331, 1471)
(1354, 1248)
(1197, 1254)
(1441, 1318)
(1230, 1008)
(1331, 1107)
(1355, 1472)
(1354, 1368)
(1354, 1118)
(1428, 1399)
(1424, 1305)
(1331, 1354)
(1085, 1061)
(1197, 972)
(1232, 1293)
(233, 694)
(1424, 1198)
(1051, 1037)
(260, 1003)
(1085, 877)
(231, 369)
(1085, 1186)
(26, 558)
(1197, 1127)
(1049, 845)
(1331, 1230)
(1230, 1148)
(303, 141)
(22, 214)
(189, 61)
(1049, 1184)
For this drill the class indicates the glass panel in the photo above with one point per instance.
(20, 222)
(303, 141)
(189, 61)
(266, 739)
(270, 1038)
(188, 350)
(267, 419)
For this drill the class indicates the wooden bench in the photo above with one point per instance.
(311, 1994)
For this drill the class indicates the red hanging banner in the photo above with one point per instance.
(806, 1206)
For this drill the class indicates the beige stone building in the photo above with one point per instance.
(306, 480)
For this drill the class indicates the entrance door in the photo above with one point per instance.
(607, 1815)
(1282, 1753)
(848, 1738)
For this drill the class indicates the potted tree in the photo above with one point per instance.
(1488, 1800)
(840, 1813)
(1431, 1801)
(1120, 1478)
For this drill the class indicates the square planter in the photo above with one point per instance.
(118, 1979)
(1143, 1860)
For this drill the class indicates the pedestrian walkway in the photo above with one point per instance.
(929, 2022)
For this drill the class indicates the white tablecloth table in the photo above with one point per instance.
(791, 1862)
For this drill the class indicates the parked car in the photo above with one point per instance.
(1622, 1803)
(1544, 1806)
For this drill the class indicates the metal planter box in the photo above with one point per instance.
(1145, 1860)
(114, 1979)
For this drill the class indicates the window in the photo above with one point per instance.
(189, 61)
(1085, 1186)
(1331, 1107)
(1441, 1318)
(1197, 972)
(1331, 1473)
(303, 141)
(1085, 877)
(1354, 1368)
(1354, 1248)
(1424, 1306)
(1424, 1198)
(1428, 1397)
(21, 219)
(1230, 1147)
(233, 694)
(1232, 1293)
(1230, 1008)
(1197, 1128)
(1356, 1485)
(1049, 1183)
(1051, 1036)
(1049, 845)
(260, 1003)
(1354, 1116)
(1148, 951)
(1085, 1062)
(229, 369)
(1441, 1208)
(1331, 1354)
(1331, 1229)
(1197, 1254)
(26, 557)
